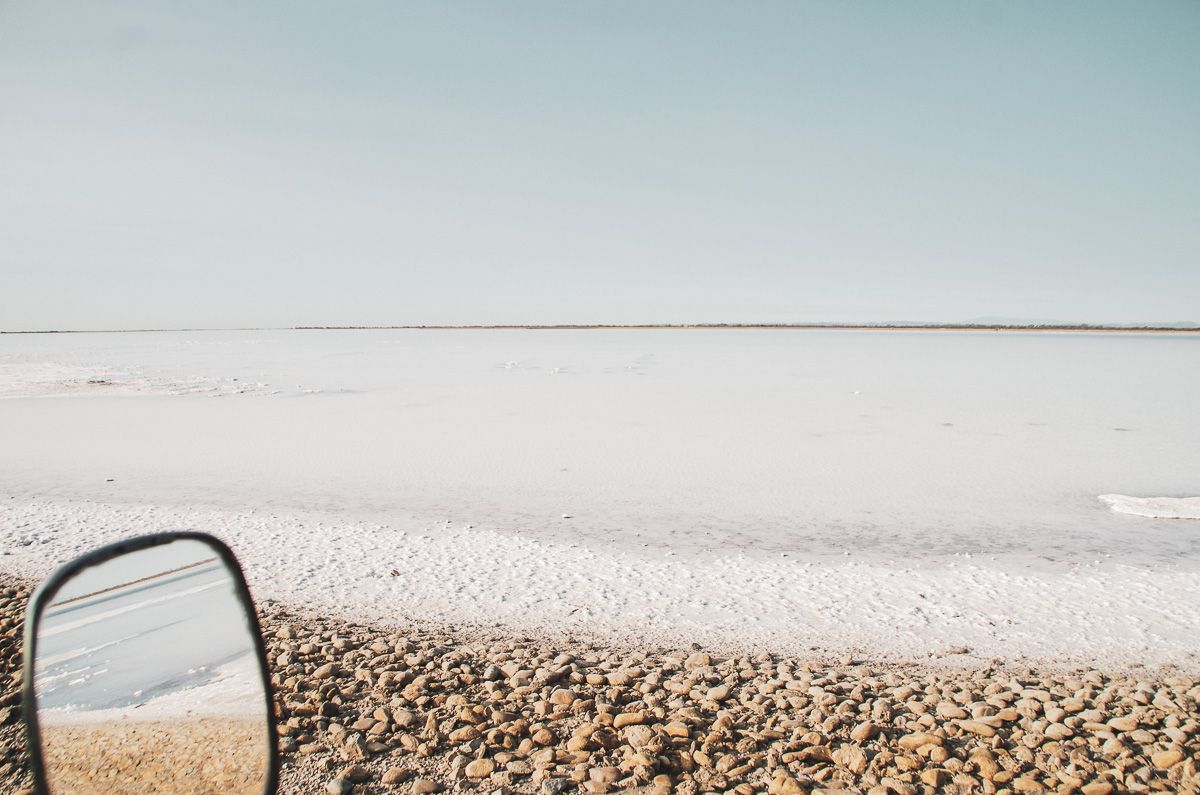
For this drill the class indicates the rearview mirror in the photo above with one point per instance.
(145, 672)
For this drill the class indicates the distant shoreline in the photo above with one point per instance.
(1103, 329)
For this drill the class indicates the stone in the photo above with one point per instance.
(977, 727)
(913, 741)
(480, 768)
(639, 736)
(1164, 760)
(562, 697)
(864, 731)
(339, 786)
(677, 729)
(464, 734)
(785, 785)
(1124, 724)
(629, 719)
(425, 786)
(851, 757)
(933, 776)
(393, 776)
(718, 693)
(697, 660)
(604, 775)
(1057, 731)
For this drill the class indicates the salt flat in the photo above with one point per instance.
(895, 492)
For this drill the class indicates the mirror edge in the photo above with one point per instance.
(51, 585)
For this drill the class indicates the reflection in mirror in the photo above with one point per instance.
(147, 679)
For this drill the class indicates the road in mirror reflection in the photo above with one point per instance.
(147, 680)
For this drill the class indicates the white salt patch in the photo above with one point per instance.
(1085, 613)
(1154, 507)
(58, 379)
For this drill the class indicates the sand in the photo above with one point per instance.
(217, 755)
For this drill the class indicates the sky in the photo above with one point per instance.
(274, 164)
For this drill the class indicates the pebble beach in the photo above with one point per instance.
(368, 709)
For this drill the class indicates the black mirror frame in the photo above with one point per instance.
(46, 592)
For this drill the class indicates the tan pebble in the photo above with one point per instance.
(325, 671)
(977, 727)
(604, 775)
(917, 739)
(863, 731)
(618, 678)
(425, 786)
(394, 775)
(562, 697)
(544, 737)
(1125, 724)
(465, 734)
(718, 693)
(480, 768)
(785, 785)
(356, 773)
(677, 729)
(697, 660)
(851, 757)
(934, 776)
(985, 761)
(629, 719)
(1165, 760)
(639, 736)
(519, 767)
(1097, 788)
(1057, 731)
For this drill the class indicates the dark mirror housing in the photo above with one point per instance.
(145, 671)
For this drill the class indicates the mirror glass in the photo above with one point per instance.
(146, 678)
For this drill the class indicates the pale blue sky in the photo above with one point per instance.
(262, 164)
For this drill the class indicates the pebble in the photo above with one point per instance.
(480, 768)
(629, 719)
(394, 775)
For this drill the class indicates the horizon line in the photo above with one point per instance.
(897, 325)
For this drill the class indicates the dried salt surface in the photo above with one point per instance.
(893, 493)
(1108, 613)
